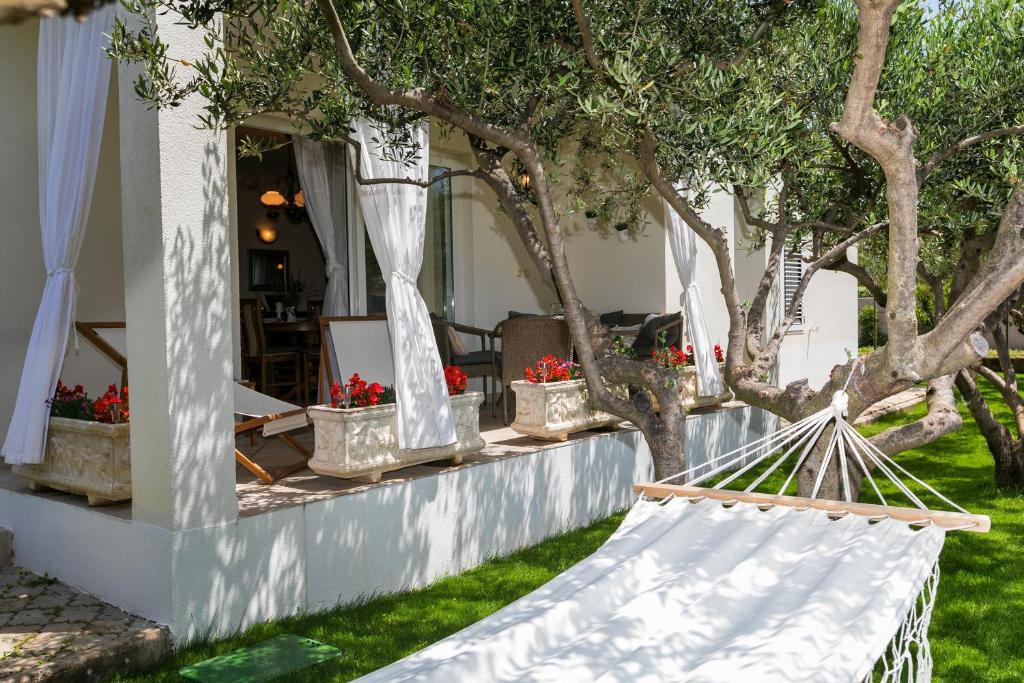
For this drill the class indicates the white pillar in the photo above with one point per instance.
(177, 304)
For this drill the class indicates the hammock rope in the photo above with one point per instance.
(845, 444)
(907, 657)
(686, 589)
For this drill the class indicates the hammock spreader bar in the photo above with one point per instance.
(950, 521)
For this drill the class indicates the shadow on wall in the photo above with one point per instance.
(400, 537)
(199, 357)
(406, 535)
(715, 433)
(396, 537)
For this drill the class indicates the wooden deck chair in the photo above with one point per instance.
(257, 410)
(355, 344)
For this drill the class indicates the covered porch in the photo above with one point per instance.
(204, 548)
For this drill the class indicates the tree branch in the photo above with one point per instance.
(583, 24)
(944, 349)
(767, 357)
(418, 99)
(967, 142)
(863, 277)
(891, 145)
(497, 178)
(942, 418)
(358, 174)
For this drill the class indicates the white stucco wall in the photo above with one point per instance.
(216, 579)
(828, 336)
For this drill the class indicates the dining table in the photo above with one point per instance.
(304, 330)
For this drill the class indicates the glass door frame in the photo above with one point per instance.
(358, 244)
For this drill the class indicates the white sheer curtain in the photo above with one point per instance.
(396, 215)
(316, 163)
(73, 76)
(684, 252)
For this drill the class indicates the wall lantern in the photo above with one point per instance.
(266, 234)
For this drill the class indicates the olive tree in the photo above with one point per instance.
(711, 92)
(509, 76)
(884, 96)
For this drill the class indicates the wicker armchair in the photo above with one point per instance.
(524, 341)
(481, 363)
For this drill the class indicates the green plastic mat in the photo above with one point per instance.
(261, 662)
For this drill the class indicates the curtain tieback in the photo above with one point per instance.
(402, 276)
(333, 268)
(74, 303)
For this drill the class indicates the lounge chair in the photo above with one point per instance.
(276, 417)
(355, 344)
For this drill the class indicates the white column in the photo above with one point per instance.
(177, 303)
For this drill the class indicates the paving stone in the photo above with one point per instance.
(8, 605)
(49, 601)
(24, 591)
(30, 617)
(9, 643)
(49, 631)
(109, 625)
(77, 614)
(44, 643)
(82, 600)
(109, 612)
(63, 628)
(26, 664)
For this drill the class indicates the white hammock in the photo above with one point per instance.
(716, 585)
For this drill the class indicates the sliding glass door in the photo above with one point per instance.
(436, 281)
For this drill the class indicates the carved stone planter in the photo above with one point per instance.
(554, 410)
(689, 390)
(363, 442)
(87, 458)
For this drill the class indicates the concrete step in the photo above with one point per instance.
(51, 632)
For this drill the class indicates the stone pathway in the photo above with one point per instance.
(50, 632)
(894, 404)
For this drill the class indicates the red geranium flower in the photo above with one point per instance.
(552, 368)
(456, 380)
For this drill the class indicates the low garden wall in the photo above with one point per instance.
(387, 538)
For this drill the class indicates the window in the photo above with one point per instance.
(435, 282)
(792, 272)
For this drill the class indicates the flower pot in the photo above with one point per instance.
(87, 458)
(363, 442)
(554, 410)
(689, 391)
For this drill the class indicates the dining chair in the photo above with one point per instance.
(264, 362)
(483, 362)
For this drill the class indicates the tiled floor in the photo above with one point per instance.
(50, 632)
(305, 487)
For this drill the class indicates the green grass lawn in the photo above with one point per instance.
(976, 631)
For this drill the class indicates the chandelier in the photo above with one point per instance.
(285, 195)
